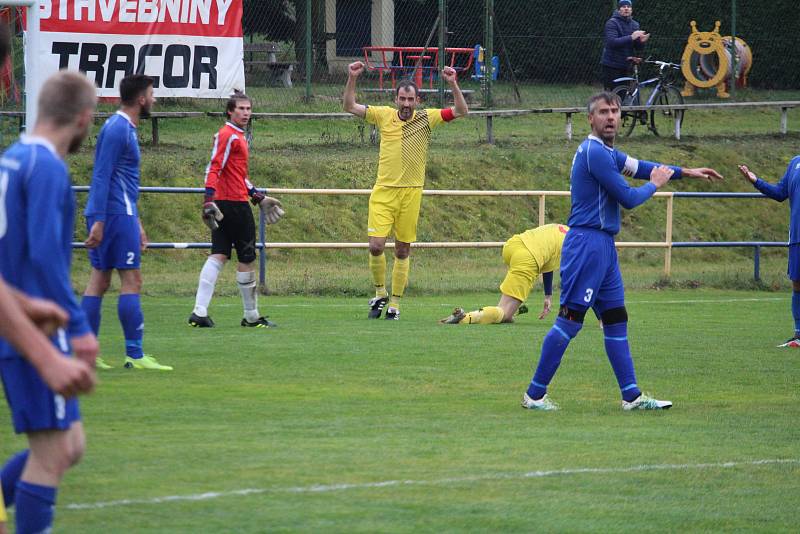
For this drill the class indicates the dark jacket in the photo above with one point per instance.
(618, 42)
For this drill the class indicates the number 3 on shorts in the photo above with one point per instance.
(131, 256)
(589, 293)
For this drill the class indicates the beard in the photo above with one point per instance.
(405, 113)
(144, 112)
(76, 142)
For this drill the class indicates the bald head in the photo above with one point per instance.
(64, 96)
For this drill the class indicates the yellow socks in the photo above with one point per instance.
(399, 280)
(377, 266)
(486, 315)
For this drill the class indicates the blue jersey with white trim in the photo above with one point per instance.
(787, 187)
(37, 214)
(115, 180)
(598, 188)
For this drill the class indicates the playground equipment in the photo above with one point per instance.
(708, 58)
(480, 64)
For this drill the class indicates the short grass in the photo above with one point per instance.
(337, 424)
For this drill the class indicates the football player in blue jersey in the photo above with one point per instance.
(787, 187)
(37, 210)
(590, 275)
(116, 236)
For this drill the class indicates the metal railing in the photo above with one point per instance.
(668, 244)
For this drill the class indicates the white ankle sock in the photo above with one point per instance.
(247, 286)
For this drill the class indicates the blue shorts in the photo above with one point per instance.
(121, 245)
(794, 262)
(34, 406)
(590, 276)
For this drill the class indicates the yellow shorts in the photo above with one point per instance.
(3, 516)
(522, 270)
(394, 207)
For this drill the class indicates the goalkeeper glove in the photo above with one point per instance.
(211, 215)
(271, 206)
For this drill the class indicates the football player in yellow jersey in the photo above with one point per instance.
(529, 254)
(395, 199)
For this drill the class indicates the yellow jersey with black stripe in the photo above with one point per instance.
(404, 144)
(544, 243)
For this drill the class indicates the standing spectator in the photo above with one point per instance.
(37, 209)
(227, 213)
(396, 198)
(623, 40)
(116, 235)
(787, 187)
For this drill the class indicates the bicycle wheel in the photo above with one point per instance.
(627, 119)
(667, 95)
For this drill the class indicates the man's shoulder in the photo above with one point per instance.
(227, 131)
(380, 110)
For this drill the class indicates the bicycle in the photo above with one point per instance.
(664, 93)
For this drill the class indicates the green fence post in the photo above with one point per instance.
(442, 46)
(733, 49)
(488, 52)
(308, 51)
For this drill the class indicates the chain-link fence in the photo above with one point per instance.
(542, 53)
(509, 54)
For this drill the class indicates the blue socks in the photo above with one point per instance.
(619, 355)
(796, 311)
(553, 347)
(91, 307)
(11, 474)
(34, 507)
(129, 309)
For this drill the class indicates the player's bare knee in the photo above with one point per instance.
(131, 282)
(376, 249)
(402, 250)
(796, 285)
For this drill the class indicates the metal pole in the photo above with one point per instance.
(668, 239)
(309, 67)
(757, 263)
(262, 253)
(733, 49)
(487, 57)
(33, 80)
(442, 46)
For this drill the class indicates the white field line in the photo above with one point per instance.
(269, 304)
(328, 488)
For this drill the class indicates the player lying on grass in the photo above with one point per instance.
(787, 187)
(533, 252)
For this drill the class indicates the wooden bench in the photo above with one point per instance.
(154, 117)
(265, 55)
(679, 110)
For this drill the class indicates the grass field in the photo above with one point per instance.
(333, 423)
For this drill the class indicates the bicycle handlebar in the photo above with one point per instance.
(663, 64)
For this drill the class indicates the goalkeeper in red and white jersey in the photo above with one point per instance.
(227, 213)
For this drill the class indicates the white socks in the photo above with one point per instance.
(247, 286)
(205, 289)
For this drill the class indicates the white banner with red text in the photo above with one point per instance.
(191, 48)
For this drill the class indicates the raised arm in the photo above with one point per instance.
(350, 105)
(460, 104)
